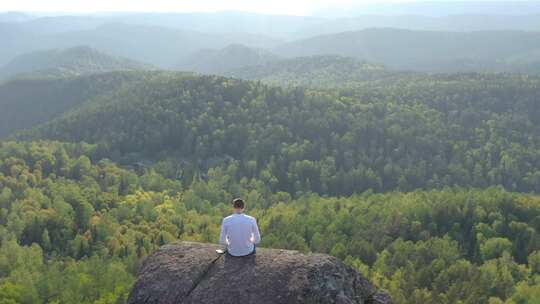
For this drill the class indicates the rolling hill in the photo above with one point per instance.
(463, 129)
(425, 50)
(151, 157)
(74, 61)
(450, 23)
(323, 71)
(167, 46)
(26, 102)
(231, 57)
(160, 46)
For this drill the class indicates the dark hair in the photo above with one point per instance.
(238, 203)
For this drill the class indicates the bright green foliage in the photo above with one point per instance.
(74, 229)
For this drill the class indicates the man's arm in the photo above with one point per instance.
(223, 234)
(255, 232)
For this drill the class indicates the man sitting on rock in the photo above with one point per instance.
(239, 232)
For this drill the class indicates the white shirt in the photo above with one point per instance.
(239, 232)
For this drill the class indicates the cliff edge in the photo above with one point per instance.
(194, 273)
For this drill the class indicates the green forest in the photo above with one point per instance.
(426, 183)
(75, 230)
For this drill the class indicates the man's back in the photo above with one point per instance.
(239, 232)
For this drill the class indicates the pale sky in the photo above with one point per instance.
(289, 7)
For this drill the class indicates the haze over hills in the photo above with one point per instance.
(452, 23)
(437, 8)
(68, 62)
(321, 71)
(425, 50)
(234, 56)
(436, 51)
(212, 22)
(155, 45)
(14, 17)
(470, 37)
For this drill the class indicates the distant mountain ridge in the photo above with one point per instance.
(160, 46)
(73, 61)
(452, 23)
(425, 50)
(438, 8)
(424, 43)
(231, 57)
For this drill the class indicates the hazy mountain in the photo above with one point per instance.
(15, 41)
(68, 62)
(15, 17)
(156, 45)
(278, 26)
(454, 23)
(231, 57)
(425, 50)
(214, 22)
(164, 39)
(437, 8)
(63, 24)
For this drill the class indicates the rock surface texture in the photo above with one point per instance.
(194, 273)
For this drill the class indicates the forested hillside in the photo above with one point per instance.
(74, 61)
(470, 130)
(324, 71)
(403, 139)
(75, 227)
(36, 99)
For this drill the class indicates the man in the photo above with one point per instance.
(239, 232)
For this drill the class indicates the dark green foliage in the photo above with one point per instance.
(29, 101)
(317, 72)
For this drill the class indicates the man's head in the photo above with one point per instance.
(238, 205)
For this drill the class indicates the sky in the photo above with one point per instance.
(288, 7)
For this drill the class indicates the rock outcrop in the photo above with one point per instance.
(194, 273)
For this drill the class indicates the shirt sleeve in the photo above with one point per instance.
(223, 234)
(255, 231)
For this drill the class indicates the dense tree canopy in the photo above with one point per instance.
(34, 99)
(465, 129)
(425, 183)
(75, 230)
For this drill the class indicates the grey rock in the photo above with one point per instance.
(193, 273)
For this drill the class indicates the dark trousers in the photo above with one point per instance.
(251, 253)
